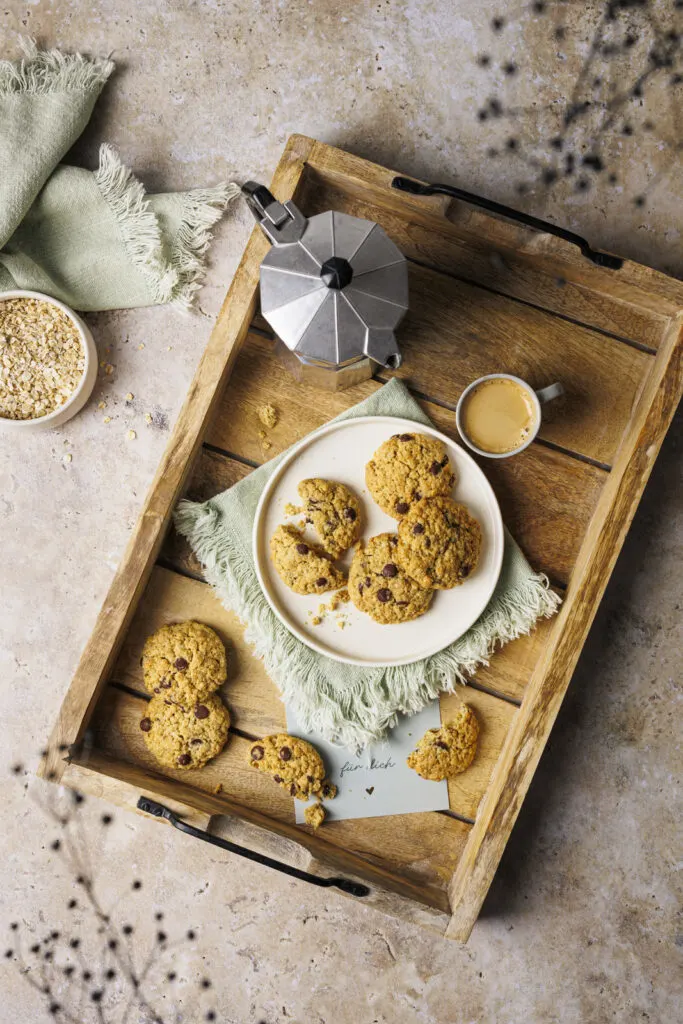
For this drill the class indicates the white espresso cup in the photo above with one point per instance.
(536, 399)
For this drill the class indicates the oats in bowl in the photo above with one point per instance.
(42, 358)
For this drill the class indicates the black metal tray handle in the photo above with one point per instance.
(416, 188)
(159, 811)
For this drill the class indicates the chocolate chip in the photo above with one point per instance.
(146, 724)
(285, 754)
(441, 745)
(184, 759)
(326, 789)
(466, 570)
(401, 604)
(322, 582)
(181, 664)
(418, 529)
(368, 581)
(406, 437)
(444, 462)
(302, 549)
(360, 588)
(384, 595)
(310, 778)
(277, 778)
(292, 789)
(257, 753)
(435, 468)
(393, 541)
(165, 685)
(157, 690)
(390, 570)
(428, 542)
(201, 711)
(417, 496)
(402, 507)
(350, 514)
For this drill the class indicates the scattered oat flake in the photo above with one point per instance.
(141, 346)
(341, 623)
(101, 405)
(268, 415)
(218, 789)
(109, 369)
(148, 417)
(131, 435)
(68, 457)
(169, 348)
(107, 419)
(130, 396)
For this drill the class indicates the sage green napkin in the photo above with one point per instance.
(93, 239)
(347, 705)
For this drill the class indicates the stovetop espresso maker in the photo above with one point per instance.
(333, 288)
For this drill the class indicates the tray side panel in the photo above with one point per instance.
(201, 402)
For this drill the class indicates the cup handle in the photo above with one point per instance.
(552, 391)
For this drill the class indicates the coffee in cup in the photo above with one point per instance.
(500, 414)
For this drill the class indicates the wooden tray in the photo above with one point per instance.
(486, 295)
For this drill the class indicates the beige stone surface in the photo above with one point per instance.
(582, 922)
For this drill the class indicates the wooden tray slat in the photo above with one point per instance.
(253, 698)
(546, 497)
(423, 847)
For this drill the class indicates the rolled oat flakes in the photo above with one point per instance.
(41, 358)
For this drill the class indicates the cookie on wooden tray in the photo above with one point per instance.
(445, 752)
(294, 764)
(185, 734)
(380, 587)
(185, 656)
(406, 468)
(314, 815)
(302, 566)
(439, 543)
(334, 512)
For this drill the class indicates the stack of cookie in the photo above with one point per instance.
(393, 577)
(185, 723)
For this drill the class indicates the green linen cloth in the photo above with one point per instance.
(93, 239)
(348, 705)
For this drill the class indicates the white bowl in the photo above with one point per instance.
(86, 384)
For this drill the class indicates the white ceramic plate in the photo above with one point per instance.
(340, 451)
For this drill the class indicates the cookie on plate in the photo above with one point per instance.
(294, 764)
(405, 469)
(380, 586)
(185, 734)
(302, 566)
(334, 512)
(445, 752)
(439, 543)
(185, 656)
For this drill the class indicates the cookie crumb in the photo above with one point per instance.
(266, 445)
(316, 620)
(101, 405)
(131, 435)
(68, 457)
(107, 419)
(268, 415)
(141, 346)
(218, 789)
(291, 510)
(314, 815)
(130, 396)
(148, 417)
(109, 369)
(341, 623)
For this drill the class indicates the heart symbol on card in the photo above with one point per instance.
(370, 791)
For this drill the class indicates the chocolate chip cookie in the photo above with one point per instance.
(381, 587)
(301, 565)
(314, 815)
(294, 764)
(445, 752)
(184, 657)
(405, 469)
(334, 512)
(185, 733)
(439, 543)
